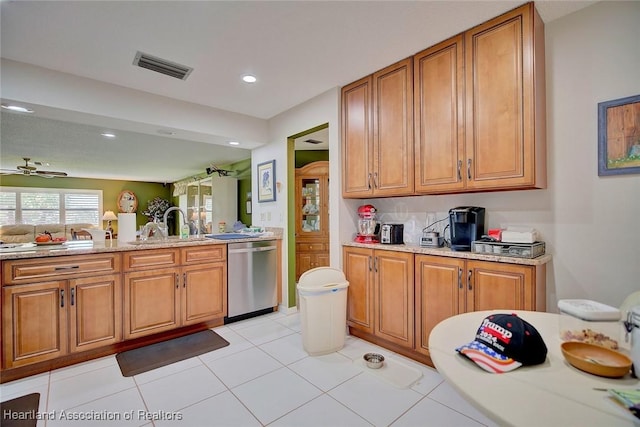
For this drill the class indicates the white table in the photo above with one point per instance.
(551, 394)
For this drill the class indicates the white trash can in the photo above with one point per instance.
(322, 293)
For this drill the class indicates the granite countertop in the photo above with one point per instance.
(447, 252)
(82, 247)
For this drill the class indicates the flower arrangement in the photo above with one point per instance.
(156, 208)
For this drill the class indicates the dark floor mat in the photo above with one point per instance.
(143, 359)
(21, 411)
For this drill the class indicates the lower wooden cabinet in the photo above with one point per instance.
(151, 302)
(310, 255)
(60, 310)
(43, 321)
(380, 299)
(396, 298)
(159, 300)
(204, 293)
(449, 286)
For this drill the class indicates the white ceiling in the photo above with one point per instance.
(297, 50)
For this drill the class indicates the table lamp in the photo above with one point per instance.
(109, 216)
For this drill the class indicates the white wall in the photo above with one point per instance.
(322, 109)
(592, 56)
(590, 224)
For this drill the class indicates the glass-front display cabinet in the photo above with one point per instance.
(312, 216)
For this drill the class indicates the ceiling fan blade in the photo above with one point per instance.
(50, 173)
(10, 172)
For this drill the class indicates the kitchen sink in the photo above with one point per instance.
(170, 239)
(229, 236)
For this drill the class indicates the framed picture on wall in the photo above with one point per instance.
(266, 180)
(619, 136)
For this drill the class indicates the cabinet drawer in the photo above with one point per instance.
(23, 271)
(310, 247)
(200, 254)
(150, 259)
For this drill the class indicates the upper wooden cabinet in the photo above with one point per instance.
(377, 133)
(478, 115)
(505, 102)
(439, 118)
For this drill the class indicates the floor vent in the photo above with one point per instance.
(162, 66)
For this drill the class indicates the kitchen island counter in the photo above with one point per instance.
(82, 247)
(68, 303)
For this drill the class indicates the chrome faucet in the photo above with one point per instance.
(166, 215)
(154, 230)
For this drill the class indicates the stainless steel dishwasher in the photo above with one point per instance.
(251, 269)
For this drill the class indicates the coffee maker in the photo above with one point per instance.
(466, 224)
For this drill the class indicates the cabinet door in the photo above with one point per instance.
(304, 262)
(151, 302)
(500, 105)
(394, 297)
(492, 286)
(95, 316)
(358, 269)
(439, 118)
(357, 134)
(322, 260)
(440, 285)
(204, 293)
(34, 323)
(393, 130)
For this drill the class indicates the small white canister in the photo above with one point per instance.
(633, 326)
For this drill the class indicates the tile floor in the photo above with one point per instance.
(263, 378)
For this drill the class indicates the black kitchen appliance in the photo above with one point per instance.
(466, 224)
(392, 234)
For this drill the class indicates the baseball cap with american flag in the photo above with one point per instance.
(505, 342)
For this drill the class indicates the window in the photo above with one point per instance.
(25, 205)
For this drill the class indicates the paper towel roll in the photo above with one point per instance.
(126, 227)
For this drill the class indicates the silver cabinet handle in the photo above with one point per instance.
(73, 296)
(61, 298)
(469, 280)
(369, 262)
(375, 180)
(67, 267)
(459, 278)
(184, 280)
(459, 170)
(369, 181)
(469, 168)
(177, 279)
(375, 264)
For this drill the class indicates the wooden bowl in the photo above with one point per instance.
(595, 359)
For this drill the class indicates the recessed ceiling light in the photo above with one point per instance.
(108, 134)
(249, 78)
(234, 143)
(17, 108)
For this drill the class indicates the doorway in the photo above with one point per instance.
(305, 201)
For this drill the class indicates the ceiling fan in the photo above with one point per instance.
(30, 170)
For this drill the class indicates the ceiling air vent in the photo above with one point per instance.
(312, 141)
(162, 66)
